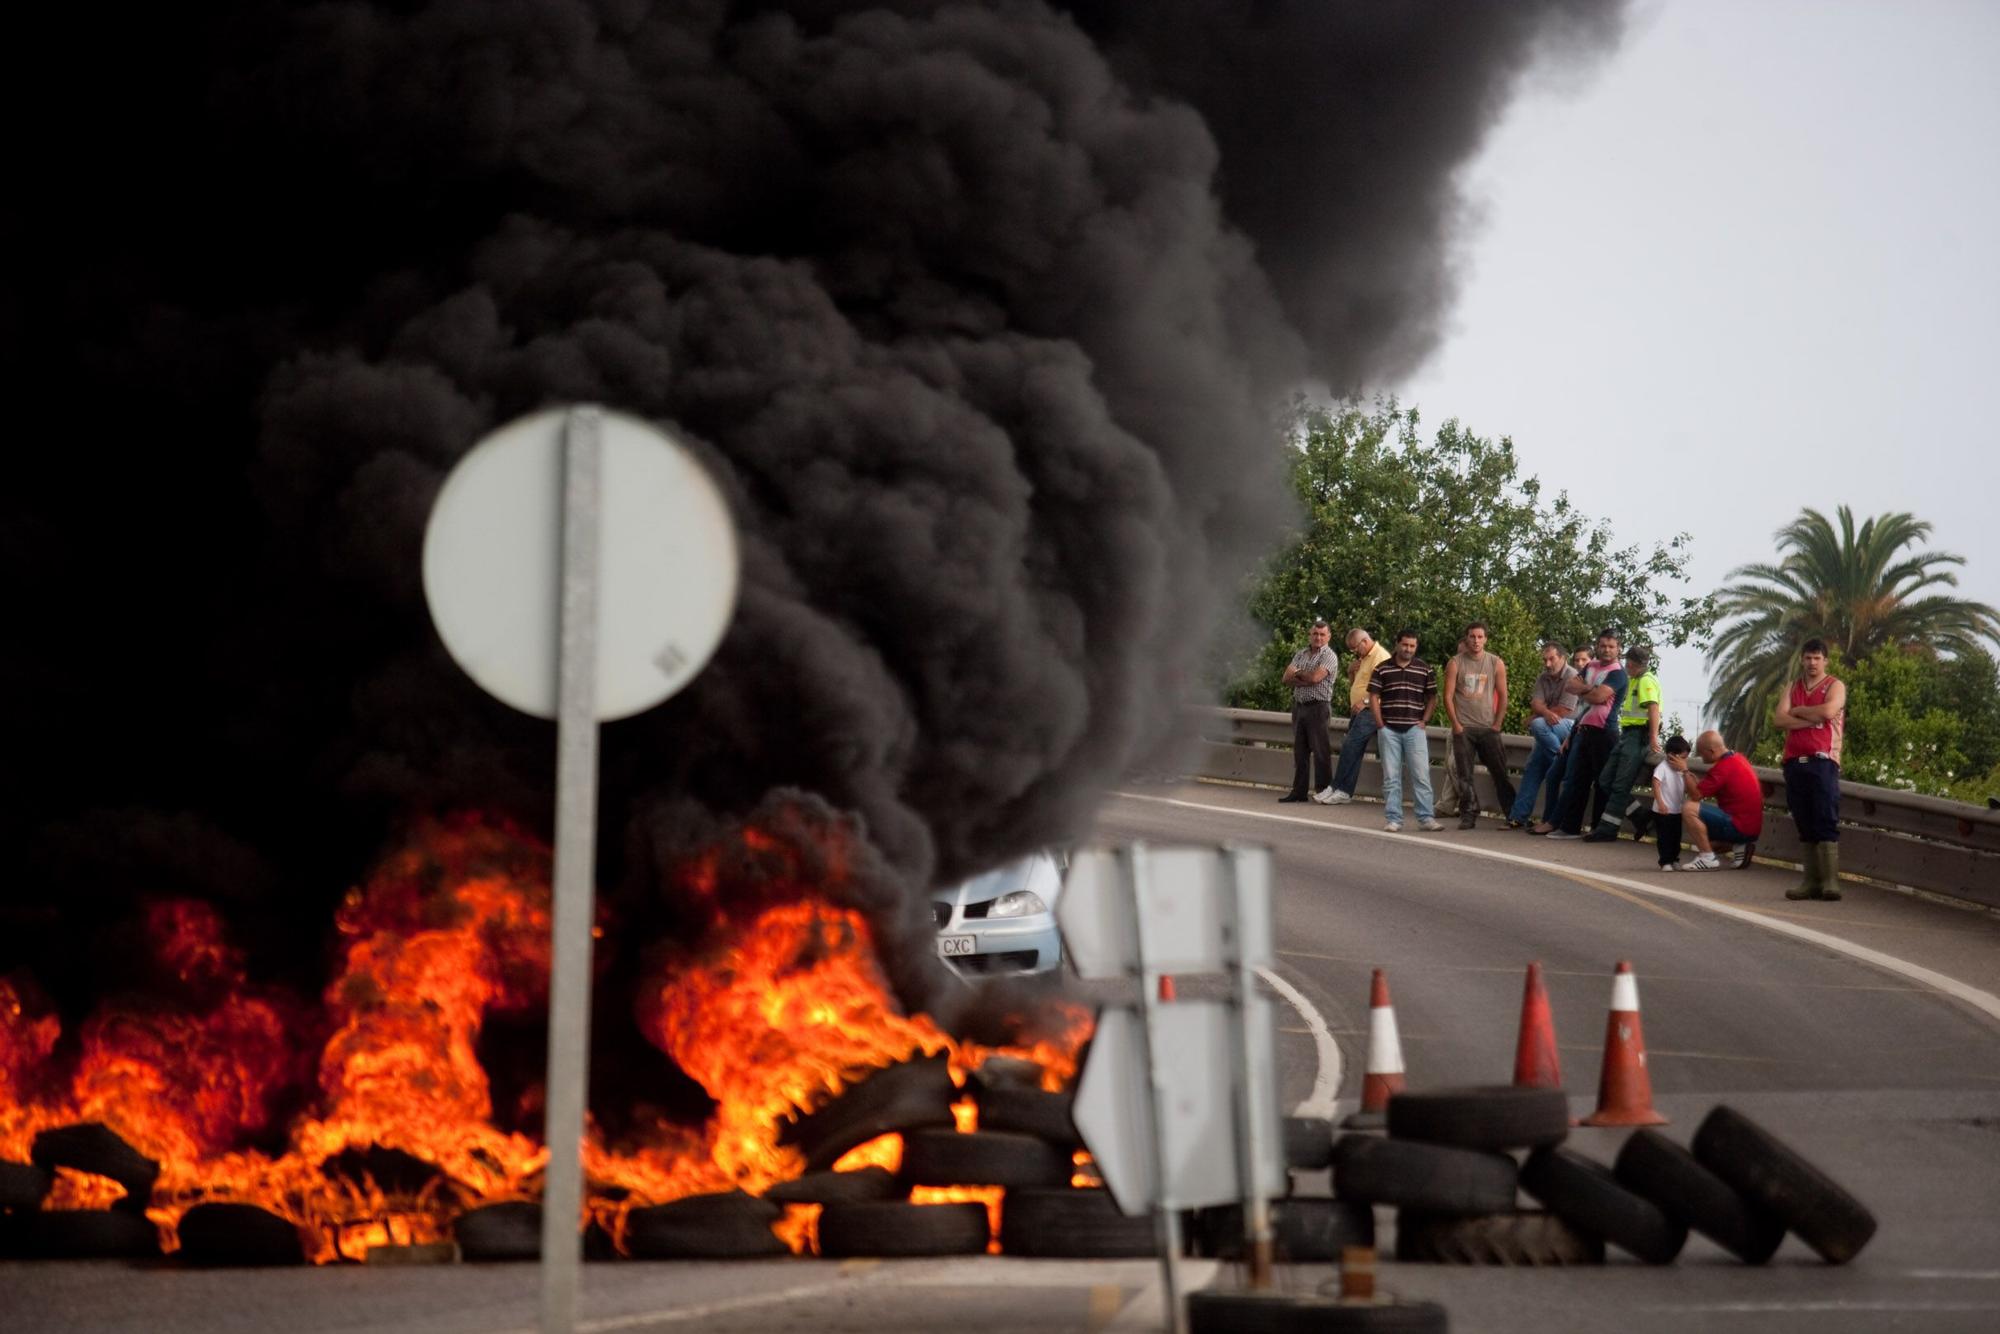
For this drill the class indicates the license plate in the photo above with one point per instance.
(950, 947)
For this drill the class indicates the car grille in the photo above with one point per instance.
(1013, 961)
(942, 912)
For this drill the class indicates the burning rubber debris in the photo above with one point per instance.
(780, 1013)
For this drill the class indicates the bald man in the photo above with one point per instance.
(1735, 817)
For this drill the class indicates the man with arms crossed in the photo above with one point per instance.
(1599, 691)
(1638, 737)
(1361, 728)
(1403, 694)
(1310, 675)
(1475, 696)
(1735, 817)
(1551, 714)
(1813, 714)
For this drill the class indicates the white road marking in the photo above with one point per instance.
(681, 1314)
(1955, 1275)
(1984, 1001)
(1326, 1083)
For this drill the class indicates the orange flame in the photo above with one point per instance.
(772, 1013)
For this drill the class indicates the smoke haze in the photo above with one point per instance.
(983, 314)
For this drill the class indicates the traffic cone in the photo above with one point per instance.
(1536, 1065)
(1624, 1090)
(1385, 1059)
(1166, 986)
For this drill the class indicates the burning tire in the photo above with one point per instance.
(1308, 1143)
(892, 1229)
(1028, 1111)
(23, 1185)
(1514, 1238)
(1495, 1117)
(87, 1234)
(1009, 1072)
(903, 1097)
(1290, 1313)
(1435, 1178)
(867, 1183)
(985, 1158)
(510, 1230)
(725, 1226)
(1588, 1197)
(1304, 1229)
(1675, 1180)
(1073, 1224)
(99, 1150)
(220, 1235)
(1773, 1176)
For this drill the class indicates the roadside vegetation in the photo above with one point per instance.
(1400, 527)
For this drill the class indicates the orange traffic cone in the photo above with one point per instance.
(1536, 1065)
(1624, 1090)
(1385, 1059)
(1166, 986)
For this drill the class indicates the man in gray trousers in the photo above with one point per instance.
(1310, 675)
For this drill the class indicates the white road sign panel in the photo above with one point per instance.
(667, 564)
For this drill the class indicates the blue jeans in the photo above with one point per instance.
(1543, 763)
(1360, 730)
(1402, 751)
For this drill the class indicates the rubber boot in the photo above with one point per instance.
(1809, 888)
(1829, 870)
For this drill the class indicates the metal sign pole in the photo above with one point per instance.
(1166, 1217)
(1251, 1102)
(575, 862)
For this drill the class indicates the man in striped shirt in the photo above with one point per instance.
(1403, 694)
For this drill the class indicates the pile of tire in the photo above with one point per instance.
(1024, 1149)
(1455, 1160)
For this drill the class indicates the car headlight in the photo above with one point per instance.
(1020, 903)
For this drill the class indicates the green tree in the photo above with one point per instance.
(1399, 531)
(1916, 722)
(1858, 589)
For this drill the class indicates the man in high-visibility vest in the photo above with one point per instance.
(1638, 737)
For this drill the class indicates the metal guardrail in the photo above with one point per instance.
(1942, 847)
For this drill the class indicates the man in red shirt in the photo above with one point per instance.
(1813, 714)
(1735, 817)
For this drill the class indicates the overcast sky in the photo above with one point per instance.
(1748, 265)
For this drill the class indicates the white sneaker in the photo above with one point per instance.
(1429, 826)
(1393, 826)
(1324, 796)
(1339, 798)
(1702, 861)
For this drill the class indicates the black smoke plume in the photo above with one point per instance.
(982, 312)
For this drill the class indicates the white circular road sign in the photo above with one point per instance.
(667, 564)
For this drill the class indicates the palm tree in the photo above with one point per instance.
(1856, 589)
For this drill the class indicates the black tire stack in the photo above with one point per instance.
(1024, 1146)
(1454, 1157)
(1448, 1169)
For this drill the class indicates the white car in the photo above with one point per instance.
(1003, 921)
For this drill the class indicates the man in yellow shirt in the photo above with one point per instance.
(1368, 655)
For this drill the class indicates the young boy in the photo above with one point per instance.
(1669, 796)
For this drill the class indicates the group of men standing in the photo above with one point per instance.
(1595, 723)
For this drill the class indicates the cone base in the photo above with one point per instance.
(1641, 1116)
(1366, 1121)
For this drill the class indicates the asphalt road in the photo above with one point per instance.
(1873, 1044)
